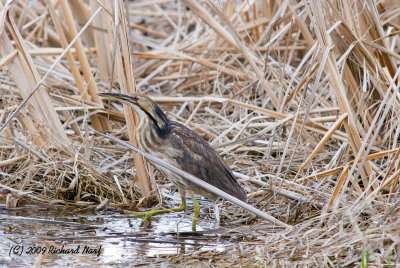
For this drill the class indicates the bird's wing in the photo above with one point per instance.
(199, 159)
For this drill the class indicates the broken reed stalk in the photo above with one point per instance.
(124, 67)
(72, 64)
(27, 77)
(101, 124)
(199, 182)
(63, 139)
(261, 61)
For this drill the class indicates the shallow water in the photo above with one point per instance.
(87, 239)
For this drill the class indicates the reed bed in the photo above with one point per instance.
(301, 98)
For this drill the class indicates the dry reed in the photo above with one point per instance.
(300, 97)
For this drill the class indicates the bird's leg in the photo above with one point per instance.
(196, 208)
(148, 214)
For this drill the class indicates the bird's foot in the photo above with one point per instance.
(194, 223)
(196, 207)
(145, 215)
(148, 214)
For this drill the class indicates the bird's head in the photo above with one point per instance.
(144, 106)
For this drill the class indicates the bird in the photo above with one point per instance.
(181, 147)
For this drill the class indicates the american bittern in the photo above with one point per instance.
(182, 148)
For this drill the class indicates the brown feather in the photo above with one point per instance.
(201, 160)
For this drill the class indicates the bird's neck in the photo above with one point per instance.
(160, 120)
(156, 122)
(148, 135)
(155, 119)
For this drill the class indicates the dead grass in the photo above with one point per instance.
(300, 97)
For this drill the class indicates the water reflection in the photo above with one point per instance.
(121, 240)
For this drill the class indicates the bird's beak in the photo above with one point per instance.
(117, 96)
